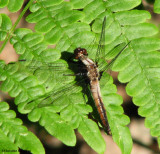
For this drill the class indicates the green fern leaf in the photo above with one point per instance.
(157, 6)
(117, 120)
(89, 130)
(55, 125)
(62, 14)
(70, 117)
(14, 135)
(3, 3)
(132, 17)
(6, 145)
(141, 73)
(121, 5)
(5, 26)
(12, 5)
(78, 4)
(92, 10)
(140, 30)
(121, 31)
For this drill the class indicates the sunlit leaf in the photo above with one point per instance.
(157, 6)
(5, 26)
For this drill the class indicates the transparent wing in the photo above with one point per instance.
(51, 75)
(100, 54)
(59, 67)
(34, 65)
(54, 97)
(108, 66)
(58, 83)
(92, 48)
(101, 46)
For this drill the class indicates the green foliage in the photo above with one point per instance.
(12, 5)
(140, 68)
(157, 6)
(3, 3)
(57, 22)
(5, 26)
(121, 5)
(14, 135)
(89, 130)
(117, 120)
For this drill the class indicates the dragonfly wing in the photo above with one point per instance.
(56, 68)
(101, 46)
(109, 65)
(50, 75)
(33, 65)
(40, 65)
(105, 69)
(54, 98)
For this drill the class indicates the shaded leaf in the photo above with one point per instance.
(14, 135)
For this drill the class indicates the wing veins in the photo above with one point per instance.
(101, 45)
(109, 65)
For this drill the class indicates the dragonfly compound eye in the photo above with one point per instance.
(80, 51)
(76, 53)
(84, 51)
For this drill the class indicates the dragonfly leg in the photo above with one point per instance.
(77, 74)
(84, 98)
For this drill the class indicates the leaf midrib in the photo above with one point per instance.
(137, 59)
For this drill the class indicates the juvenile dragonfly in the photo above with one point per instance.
(91, 72)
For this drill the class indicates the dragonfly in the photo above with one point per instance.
(94, 74)
(90, 71)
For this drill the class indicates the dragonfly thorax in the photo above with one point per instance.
(91, 67)
(93, 73)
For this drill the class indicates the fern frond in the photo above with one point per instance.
(115, 116)
(62, 14)
(139, 67)
(26, 43)
(14, 135)
(57, 22)
(71, 114)
(72, 108)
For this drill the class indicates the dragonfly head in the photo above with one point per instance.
(78, 52)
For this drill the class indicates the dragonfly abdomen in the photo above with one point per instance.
(95, 89)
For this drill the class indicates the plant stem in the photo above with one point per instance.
(15, 25)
